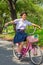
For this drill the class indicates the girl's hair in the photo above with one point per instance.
(23, 13)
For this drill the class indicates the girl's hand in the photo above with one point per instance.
(39, 27)
(6, 24)
(36, 26)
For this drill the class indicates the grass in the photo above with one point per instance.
(7, 36)
(8, 33)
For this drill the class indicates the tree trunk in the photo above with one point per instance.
(1, 28)
(12, 7)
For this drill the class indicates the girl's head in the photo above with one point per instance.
(23, 15)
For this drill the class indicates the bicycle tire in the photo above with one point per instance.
(13, 49)
(33, 58)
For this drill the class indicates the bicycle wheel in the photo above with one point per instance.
(36, 55)
(14, 48)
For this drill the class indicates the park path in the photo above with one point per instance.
(6, 55)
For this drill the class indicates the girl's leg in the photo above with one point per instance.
(20, 47)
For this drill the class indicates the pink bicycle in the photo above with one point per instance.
(32, 49)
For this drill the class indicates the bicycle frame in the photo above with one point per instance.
(32, 40)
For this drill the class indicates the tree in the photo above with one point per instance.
(4, 14)
(12, 7)
(33, 8)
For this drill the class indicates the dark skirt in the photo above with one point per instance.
(20, 36)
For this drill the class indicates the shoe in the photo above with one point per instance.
(18, 55)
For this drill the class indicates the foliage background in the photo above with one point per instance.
(11, 9)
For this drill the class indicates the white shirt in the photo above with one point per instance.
(21, 24)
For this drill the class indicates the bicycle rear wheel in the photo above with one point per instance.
(14, 48)
(36, 55)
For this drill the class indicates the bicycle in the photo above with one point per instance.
(32, 48)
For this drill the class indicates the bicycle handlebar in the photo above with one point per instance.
(33, 31)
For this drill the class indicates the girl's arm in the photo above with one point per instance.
(11, 22)
(36, 25)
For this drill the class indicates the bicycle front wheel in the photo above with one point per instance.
(36, 55)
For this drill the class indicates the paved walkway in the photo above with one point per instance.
(6, 55)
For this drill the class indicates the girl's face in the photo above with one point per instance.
(24, 16)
